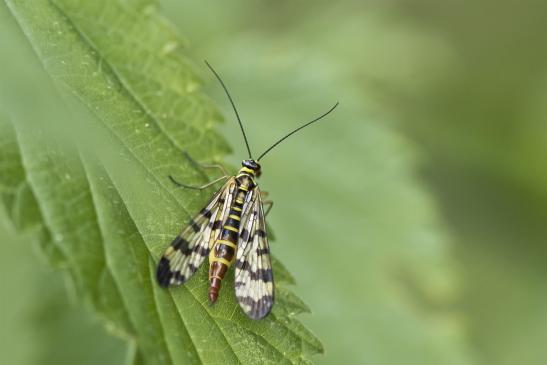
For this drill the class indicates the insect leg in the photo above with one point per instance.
(206, 166)
(215, 166)
(270, 205)
(198, 187)
(264, 194)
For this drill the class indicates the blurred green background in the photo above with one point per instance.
(413, 218)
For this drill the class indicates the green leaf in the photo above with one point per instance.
(95, 180)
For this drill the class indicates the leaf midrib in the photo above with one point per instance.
(87, 41)
(129, 91)
(132, 95)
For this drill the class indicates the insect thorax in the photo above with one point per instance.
(246, 178)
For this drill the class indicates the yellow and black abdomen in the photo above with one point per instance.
(224, 249)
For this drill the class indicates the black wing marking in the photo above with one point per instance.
(189, 249)
(253, 277)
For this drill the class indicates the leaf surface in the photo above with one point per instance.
(129, 103)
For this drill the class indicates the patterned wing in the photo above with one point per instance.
(253, 277)
(188, 250)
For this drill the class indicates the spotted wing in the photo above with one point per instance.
(253, 274)
(188, 250)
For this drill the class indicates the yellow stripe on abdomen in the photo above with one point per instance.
(230, 228)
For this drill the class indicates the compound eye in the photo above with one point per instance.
(250, 164)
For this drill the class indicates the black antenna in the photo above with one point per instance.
(233, 106)
(296, 130)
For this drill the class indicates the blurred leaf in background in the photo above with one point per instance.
(484, 125)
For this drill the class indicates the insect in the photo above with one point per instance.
(230, 228)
